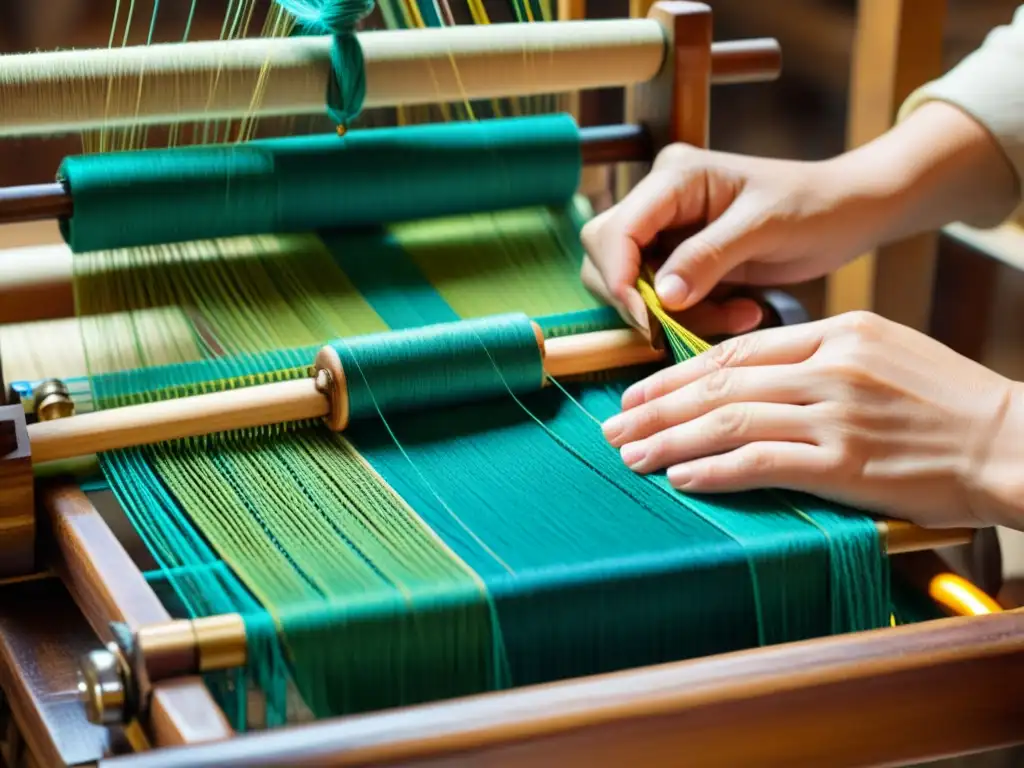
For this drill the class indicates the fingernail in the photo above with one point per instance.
(613, 429)
(633, 396)
(638, 310)
(679, 477)
(633, 455)
(672, 291)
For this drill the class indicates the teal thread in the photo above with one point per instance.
(440, 365)
(309, 183)
(346, 89)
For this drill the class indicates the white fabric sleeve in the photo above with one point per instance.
(989, 86)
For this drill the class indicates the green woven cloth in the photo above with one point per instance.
(455, 549)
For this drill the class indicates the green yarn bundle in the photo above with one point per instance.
(347, 88)
(309, 183)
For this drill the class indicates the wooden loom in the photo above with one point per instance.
(891, 696)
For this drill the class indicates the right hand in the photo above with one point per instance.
(768, 222)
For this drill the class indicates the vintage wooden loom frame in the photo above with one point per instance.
(890, 696)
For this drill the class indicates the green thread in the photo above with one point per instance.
(440, 365)
(464, 546)
(308, 183)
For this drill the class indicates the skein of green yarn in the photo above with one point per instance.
(347, 87)
(439, 365)
(311, 183)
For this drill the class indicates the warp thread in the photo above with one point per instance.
(346, 88)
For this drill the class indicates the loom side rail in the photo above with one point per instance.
(108, 587)
(862, 699)
(43, 715)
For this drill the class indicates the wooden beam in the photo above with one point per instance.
(892, 696)
(38, 673)
(17, 506)
(898, 47)
(675, 106)
(109, 587)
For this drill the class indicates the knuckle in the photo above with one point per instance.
(715, 386)
(590, 235)
(849, 375)
(658, 449)
(729, 354)
(676, 155)
(861, 324)
(753, 461)
(652, 416)
(731, 421)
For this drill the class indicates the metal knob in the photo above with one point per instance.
(53, 401)
(102, 687)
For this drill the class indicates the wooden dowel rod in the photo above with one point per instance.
(107, 586)
(150, 423)
(186, 647)
(735, 62)
(283, 402)
(901, 536)
(71, 91)
(589, 352)
(34, 202)
(598, 146)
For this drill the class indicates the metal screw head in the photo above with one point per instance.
(53, 401)
(101, 687)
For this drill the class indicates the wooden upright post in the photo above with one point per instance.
(17, 503)
(675, 106)
(898, 47)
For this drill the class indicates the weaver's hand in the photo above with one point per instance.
(769, 222)
(854, 408)
(776, 221)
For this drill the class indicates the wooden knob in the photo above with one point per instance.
(331, 381)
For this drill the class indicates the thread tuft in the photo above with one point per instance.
(346, 89)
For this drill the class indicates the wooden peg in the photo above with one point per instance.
(17, 504)
(675, 105)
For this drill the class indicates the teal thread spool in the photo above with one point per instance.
(346, 89)
(310, 183)
(432, 367)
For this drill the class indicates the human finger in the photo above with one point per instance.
(719, 431)
(787, 345)
(781, 384)
(701, 261)
(789, 465)
(632, 309)
(730, 317)
(615, 242)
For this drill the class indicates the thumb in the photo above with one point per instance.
(701, 261)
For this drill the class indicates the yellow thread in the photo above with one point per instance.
(650, 297)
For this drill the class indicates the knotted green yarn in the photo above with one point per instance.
(346, 89)
(441, 364)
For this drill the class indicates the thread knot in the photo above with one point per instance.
(346, 87)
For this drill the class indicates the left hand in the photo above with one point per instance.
(720, 314)
(854, 408)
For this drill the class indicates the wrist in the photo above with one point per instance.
(997, 482)
(937, 167)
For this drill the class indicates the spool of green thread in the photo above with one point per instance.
(440, 365)
(309, 183)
